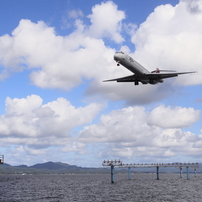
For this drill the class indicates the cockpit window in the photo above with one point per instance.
(120, 52)
(131, 59)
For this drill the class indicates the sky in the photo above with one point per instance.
(54, 106)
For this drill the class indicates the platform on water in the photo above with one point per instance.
(118, 163)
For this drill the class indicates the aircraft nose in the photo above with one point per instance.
(116, 57)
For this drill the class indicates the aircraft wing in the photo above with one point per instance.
(131, 78)
(165, 75)
(154, 76)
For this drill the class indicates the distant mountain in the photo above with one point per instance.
(58, 166)
(22, 166)
(49, 167)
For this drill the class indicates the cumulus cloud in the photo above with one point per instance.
(60, 62)
(106, 21)
(170, 38)
(132, 132)
(129, 133)
(29, 118)
(178, 117)
(31, 131)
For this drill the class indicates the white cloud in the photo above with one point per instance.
(69, 17)
(17, 107)
(178, 117)
(77, 13)
(170, 38)
(128, 133)
(31, 131)
(63, 62)
(106, 21)
(28, 118)
(133, 132)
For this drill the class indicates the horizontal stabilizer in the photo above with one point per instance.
(159, 70)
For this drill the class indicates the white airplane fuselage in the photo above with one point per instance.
(130, 63)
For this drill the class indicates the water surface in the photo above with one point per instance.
(97, 187)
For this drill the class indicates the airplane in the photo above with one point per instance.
(140, 74)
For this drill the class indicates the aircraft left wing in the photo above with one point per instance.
(156, 76)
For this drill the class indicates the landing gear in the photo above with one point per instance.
(136, 83)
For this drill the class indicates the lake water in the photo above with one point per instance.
(98, 187)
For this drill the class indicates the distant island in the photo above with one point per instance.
(48, 168)
(61, 168)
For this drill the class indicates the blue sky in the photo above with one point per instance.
(54, 106)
